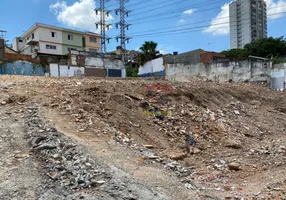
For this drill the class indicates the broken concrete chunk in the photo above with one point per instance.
(234, 166)
(177, 156)
(233, 143)
(45, 146)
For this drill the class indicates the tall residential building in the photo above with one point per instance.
(248, 21)
(46, 39)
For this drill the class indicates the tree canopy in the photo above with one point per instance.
(266, 47)
(148, 52)
(236, 53)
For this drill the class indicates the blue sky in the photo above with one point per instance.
(150, 19)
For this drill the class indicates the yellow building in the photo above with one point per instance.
(92, 42)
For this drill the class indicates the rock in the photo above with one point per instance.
(236, 112)
(35, 141)
(177, 156)
(3, 103)
(196, 151)
(234, 166)
(149, 146)
(45, 146)
(54, 105)
(233, 143)
(96, 183)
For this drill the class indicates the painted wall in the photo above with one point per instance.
(45, 35)
(22, 68)
(66, 71)
(220, 71)
(76, 43)
(151, 67)
(57, 51)
(92, 45)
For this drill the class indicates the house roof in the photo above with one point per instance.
(36, 25)
(11, 49)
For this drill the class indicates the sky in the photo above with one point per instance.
(176, 25)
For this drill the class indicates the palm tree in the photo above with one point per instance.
(149, 52)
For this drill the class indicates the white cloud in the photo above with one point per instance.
(182, 21)
(223, 17)
(80, 15)
(188, 12)
(275, 7)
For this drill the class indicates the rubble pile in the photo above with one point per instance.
(213, 137)
(62, 159)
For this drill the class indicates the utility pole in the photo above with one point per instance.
(103, 27)
(123, 26)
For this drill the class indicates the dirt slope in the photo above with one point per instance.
(196, 140)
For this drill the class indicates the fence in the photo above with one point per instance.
(21, 68)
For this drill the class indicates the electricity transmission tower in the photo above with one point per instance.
(123, 26)
(103, 25)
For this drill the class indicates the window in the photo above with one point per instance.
(51, 46)
(20, 40)
(53, 34)
(71, 49)
(33, 36)
(92, 39)
(93, 50)
(70, 37)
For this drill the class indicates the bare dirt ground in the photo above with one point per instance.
(140, 139)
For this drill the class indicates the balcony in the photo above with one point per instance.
(32, 42)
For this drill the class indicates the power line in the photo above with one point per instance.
(198, 27)
(181, 9)
(198, 22)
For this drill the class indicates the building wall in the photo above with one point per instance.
(90, 45)
(76, 43)
(220, 71)
(57, 51)
(248, 21)
(186, 58)
(44, 34)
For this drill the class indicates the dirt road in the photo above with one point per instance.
(140, 139)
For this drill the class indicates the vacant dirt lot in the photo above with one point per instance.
(140, 139)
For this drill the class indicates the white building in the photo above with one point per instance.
(248, 21)
(52, 40)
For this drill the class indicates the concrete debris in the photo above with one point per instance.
(233, 143)
(177, 156)
(234, 166)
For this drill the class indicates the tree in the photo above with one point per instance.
(148, 52)
(267, 47)
(236, 53)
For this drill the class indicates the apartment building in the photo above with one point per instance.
(52, 40)
(248, 22)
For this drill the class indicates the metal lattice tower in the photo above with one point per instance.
(102, 25)
(123, 26)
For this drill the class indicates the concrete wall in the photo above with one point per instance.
(66, 71)
(109, 63)
(190, 57)
(220, 71)
(151, 67)
(21, 68)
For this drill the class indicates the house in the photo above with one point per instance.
(42, 39)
